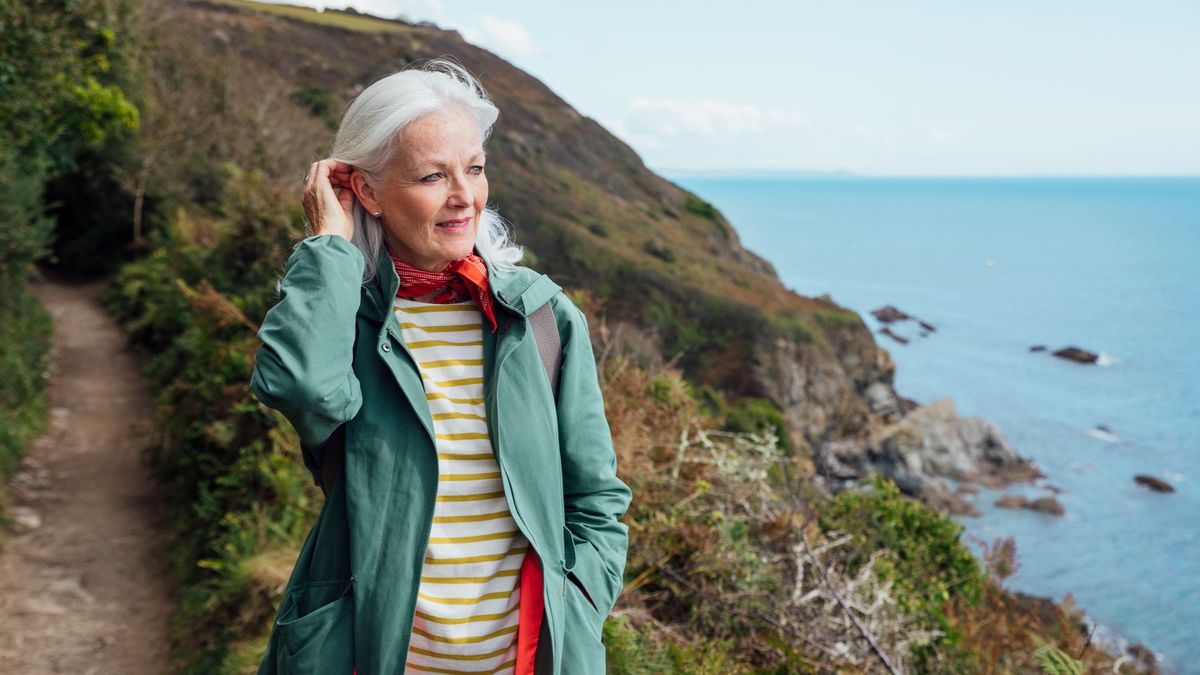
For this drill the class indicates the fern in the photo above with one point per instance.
(1055, 662)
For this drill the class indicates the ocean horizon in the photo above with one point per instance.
(999, 264)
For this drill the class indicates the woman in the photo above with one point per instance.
(472, 519)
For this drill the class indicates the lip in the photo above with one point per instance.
(457, 221)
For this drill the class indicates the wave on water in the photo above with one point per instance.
(1103, 359)
(1105, 435)
(1111, 640)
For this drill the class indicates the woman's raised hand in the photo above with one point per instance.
(329, 212)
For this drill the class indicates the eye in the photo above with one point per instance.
(477, 169)
(431, 177)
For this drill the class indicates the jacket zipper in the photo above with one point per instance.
(428, 526)
(493, 422)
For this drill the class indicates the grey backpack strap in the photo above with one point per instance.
(333, 456)
(545, 332)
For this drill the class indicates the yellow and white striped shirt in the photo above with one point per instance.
(467, 604)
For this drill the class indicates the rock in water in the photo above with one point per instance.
(1012, 502)
(888, 314)
(1152, 483)
(1048, 505)
(1076, 354)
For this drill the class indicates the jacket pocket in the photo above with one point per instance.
(583, 592)
(316, 629)
(570, 541)
(583, 649)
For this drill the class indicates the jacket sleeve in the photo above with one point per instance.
(304, 366)
(595, 498)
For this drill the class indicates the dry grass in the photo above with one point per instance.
(329, 17)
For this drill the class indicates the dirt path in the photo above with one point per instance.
(84, 589)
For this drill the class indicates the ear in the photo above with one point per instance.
(364, 190)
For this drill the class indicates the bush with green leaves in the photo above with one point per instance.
(61, 98)
(235, 487)
(929, 562)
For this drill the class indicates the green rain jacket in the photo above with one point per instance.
(332, 360)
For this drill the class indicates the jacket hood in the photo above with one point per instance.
(520, 291)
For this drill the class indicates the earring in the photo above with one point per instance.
(376, 214)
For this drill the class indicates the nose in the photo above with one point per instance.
(460, 192)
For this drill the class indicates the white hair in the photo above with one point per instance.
(376, 117)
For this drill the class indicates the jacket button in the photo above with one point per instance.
(386, 347)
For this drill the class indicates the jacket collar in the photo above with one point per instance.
(519, 291)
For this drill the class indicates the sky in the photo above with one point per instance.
(887, 88)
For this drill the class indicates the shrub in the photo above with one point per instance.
(661, 251)
(700, 207)
(930, 563)
(753, 415)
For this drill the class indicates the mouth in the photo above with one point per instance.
(457, 224)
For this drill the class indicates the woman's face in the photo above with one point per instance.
(433, 190)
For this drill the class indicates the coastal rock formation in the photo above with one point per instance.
(889, 314)
(836, 387)
(1077, 355)
(1048, 504)
(924, 449)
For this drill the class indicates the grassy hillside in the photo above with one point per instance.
(581, 200)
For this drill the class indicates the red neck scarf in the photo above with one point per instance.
(463, 278)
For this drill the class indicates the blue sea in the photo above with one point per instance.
(997, 265)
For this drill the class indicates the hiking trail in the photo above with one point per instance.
(83, 581)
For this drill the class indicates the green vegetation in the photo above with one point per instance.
(62, 99)
(658, 250)
(345, 19)
(1054, 662)
(25, 330)
(230, 467)
(321, 103)
(929, 564)
(701, 208)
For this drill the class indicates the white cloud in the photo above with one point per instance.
(503, 36)
(705, 117)
(639, 141)
(712, 133)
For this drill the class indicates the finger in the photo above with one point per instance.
(323, 168)
(346, 200)
(341, 174)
